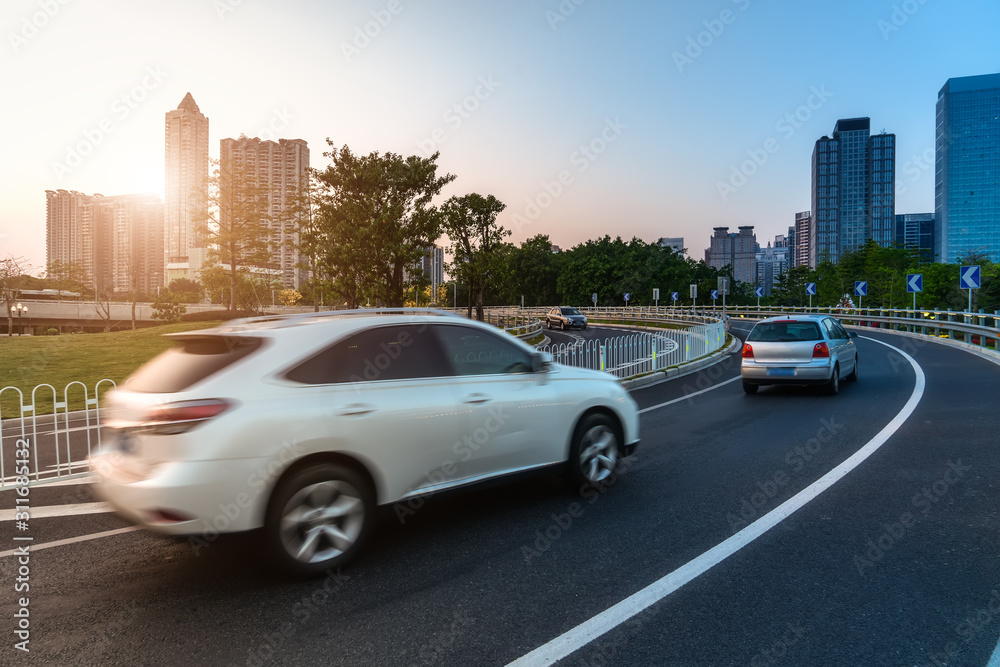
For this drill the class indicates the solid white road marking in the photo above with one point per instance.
(50, 511)
(684, 398)
(71, 540)
(589, 630)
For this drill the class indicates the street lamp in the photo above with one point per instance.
(18, 310)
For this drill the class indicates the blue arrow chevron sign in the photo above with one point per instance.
(759, 292)
(860, 288)
(914, 282)
(970, 277)
(811, 289)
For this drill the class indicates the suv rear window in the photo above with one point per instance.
(193, 360)
(784, 332)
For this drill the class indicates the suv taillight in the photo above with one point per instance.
(173, 418)
(820, 350)
(747, 351)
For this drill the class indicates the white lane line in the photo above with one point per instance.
(995, 658)
(589, 630)
(50, 511)
(72, 540)
(684, 398)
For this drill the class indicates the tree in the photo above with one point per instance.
(68, 277)
(13, 272)
(166, 308)
(471, 225)
(235, 220)
(373, 221)
(187, 290)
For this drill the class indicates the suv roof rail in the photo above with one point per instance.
(297, 318)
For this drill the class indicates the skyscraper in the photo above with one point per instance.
(916, 231)
(853, 181)
(186, 187)
(802, 249)
(279, 169)
(117, 242)
(967, 176)
(738, 250)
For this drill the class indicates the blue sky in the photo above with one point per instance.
(585, 117)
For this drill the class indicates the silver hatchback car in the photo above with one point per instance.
(800, 350)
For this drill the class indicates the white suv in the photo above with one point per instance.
(304, 424)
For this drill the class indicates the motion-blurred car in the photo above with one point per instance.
(303, 425)
(800, 350)
(566, 317)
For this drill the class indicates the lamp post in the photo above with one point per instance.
(18, 310)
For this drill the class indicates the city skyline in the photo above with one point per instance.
(634, 120)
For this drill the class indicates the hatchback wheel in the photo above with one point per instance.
(594, 453)
(833, 386)
(319, 518)
(750, 388)
(853, 377)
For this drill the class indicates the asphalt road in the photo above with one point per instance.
(895, 563)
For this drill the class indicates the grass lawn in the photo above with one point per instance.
(28, 361)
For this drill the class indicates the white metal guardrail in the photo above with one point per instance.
(53, 453)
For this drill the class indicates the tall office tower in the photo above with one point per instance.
(967, 177)
(853, 195)
(64, 228)
(804, 241)
(916, 231)
(279, 169)
(186, 186)
(738, 250)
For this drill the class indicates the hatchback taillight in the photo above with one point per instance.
(820, 350)
(747, 351)
(172, 418)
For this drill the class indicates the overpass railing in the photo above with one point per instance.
(979, 329)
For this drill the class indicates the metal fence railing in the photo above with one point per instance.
(641, 353)
(59, 443)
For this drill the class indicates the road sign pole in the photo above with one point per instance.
(810, 301)
(970, 300)
(914, 302)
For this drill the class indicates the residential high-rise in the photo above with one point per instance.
(771, 263)
(279, 169)
(117, 242)
(804, 240)
(967, 174)
(186, 187)
(916, 231)
(432, 264)
(853, 189)
(738, 250)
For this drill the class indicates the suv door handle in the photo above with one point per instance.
(477, 399)
(356, 410)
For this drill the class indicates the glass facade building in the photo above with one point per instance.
(853, 200)
(916, 231)
(967, 173)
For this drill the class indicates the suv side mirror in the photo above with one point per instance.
(541, 361)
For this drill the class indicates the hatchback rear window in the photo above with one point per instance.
(193, 360)
(784, 332)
